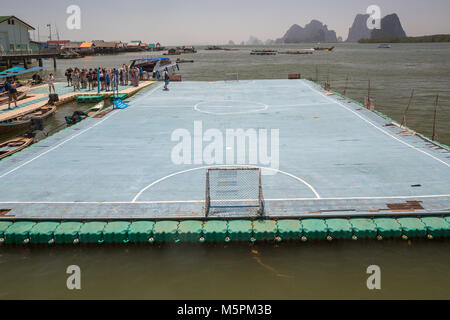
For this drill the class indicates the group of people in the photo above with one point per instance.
(107, 79)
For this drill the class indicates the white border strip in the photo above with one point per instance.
(201, 201)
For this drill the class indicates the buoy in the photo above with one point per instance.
(329, 238)
(354, 237)
(227, 239)
(26, 241)
(202, 239)
(151, 239)
(430, 237)
(304, 239)
(76, 241)
(404, 237)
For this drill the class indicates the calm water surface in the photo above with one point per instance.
(416, 269)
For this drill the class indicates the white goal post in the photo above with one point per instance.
(234, 190)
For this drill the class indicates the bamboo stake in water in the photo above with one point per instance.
(406, 110)
(433, 137)
(346, 83)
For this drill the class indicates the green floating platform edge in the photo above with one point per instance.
(241, 230)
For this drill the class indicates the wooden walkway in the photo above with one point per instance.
(64, 98)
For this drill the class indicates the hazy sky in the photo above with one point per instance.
(215, 22)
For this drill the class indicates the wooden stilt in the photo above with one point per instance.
(433, 136)
(406, 110)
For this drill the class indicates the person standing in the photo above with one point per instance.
(12, 92)
(166, 77)
(68, 75)
(51, 83)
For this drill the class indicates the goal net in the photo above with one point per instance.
(233, 191)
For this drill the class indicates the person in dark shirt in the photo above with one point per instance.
(12, 92)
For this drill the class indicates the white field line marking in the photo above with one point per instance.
(206, 167)
(60, 144)
(270, 106)
(197, 201)
(375, 126)
(262, 107)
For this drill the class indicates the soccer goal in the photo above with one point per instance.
(234, 191)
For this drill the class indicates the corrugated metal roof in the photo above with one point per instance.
(86, 45)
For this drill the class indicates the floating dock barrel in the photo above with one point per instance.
(289, 229)
(4, 225)
(315, 229)
(437, 227)
(19, 232)
(121, 96)
(190, 231)
(116, 232)
(67, 232)
(339, 228)
(141, 231)
(412, 227)
(90, 99)
(215, 230)
(388, 227)
(264, 229)
(92, 232)
(240, 230)
(364, 228)
(165, 231)
(43, 232)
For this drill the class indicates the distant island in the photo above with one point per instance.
(315, 31)
(432, 38)
(391, 27)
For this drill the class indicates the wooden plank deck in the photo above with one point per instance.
(65, 98)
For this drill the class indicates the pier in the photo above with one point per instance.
(8, 58)
(344, 172)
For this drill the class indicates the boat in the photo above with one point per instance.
(184, 61)
(99, 106)
(384, 46)
(76, 117)
(24, 120)
(155, 66)
(323, 49)
(69, 55)
(302, 51)
(12, 146)
(213, 48)
(264, 52)
(188, 49)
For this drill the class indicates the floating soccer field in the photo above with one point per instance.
(320, 156)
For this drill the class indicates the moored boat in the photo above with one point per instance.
(23, 121)
(384, 46)
(155, 66)
(12, 146)
(323, 49)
